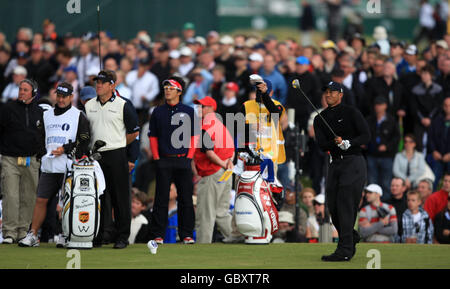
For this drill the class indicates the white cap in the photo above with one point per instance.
(200, 40)
(20, 70)
(185, 51)
(442, 43)
(145, 38)
(374, 188)
(285, 216)
(174, 54)
(320, 198)
(411, 50)
(379, 33)
(226, 40)
(256, 57)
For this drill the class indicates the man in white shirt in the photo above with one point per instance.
(144, 87)
(11, 91)
(85, 61)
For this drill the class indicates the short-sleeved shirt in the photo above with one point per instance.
(111, 121)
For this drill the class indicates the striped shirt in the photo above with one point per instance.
(378, 232)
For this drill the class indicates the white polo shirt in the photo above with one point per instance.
(111, 121)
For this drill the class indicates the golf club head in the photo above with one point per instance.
(97, 145)
(296, 84)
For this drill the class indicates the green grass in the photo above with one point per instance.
(225, 256)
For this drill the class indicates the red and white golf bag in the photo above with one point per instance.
(255, 209)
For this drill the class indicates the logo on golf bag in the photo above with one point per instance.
(83, 217)
(84, 184)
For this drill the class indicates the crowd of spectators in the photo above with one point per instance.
(403, 91)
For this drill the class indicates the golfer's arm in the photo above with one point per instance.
(131, 137)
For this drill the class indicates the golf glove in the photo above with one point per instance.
(344, 145)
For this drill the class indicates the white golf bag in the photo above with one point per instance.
(256, 214)
(83, 185)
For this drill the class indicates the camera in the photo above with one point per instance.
(255, 79)
(382, 212)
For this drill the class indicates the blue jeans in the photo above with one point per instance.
(380, 172)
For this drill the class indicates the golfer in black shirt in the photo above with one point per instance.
(346, 131)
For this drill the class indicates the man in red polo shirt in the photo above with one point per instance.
(212, 158)
(438, 200)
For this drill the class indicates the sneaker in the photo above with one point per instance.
(60, 241)
(29, 241)
(159, 240)
(8, 240)
(188, 240)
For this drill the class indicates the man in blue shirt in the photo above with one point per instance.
(172, 141)
(279, 86)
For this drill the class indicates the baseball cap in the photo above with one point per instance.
(442, 43)
(256, 57)
(87, 93)
(185, 51)
(20, 70)
(232, 86)
(189, 26)
(70, 68)
(334, 86)
(380, 99)
(64, 88)
(106, 76)
(226, 40)
(374, 188)
(411, 50)
(174, 54)
(302, 60)
(285, 216)
(328, 44)
(360, 37)
(207, 101)
(320, 198)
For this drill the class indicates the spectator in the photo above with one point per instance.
(256, 62)
(188, 30)
(439, 142)
(307, 23)
(307, 196)
(186, 63)
(398, 200)
(11, 91)
(269, 72)
(438, 200)
(318, 219)
(144, 87)
(333, 22)
(218, 83)
(411, 60)
(425, 104)
(397, 50)
(121, 87)
(199, 87)
(140, 216)
(426, 21)
(383, 145)
(70, 76)
(40, 69)
(19, 144)
(286, 229)
(120, 129)
(5, 57)
(241, 76)
(310, 86)
(229, 103)
(329, 53)
(351, 82)
(442, 225)
(212, 159)
(377, 221)
(444, 74)
(85, 61)
(417, 227)
(409, 164)
(381, 38)
(289, 205)
(425, 189)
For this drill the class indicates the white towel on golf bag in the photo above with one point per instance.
(98, 173)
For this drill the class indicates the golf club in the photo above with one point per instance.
(296, 85)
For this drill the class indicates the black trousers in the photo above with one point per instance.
(345, 184)
(117, 197)
(178, 171)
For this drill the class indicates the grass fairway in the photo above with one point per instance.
(225, 256)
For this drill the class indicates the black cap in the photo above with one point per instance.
(380, 100)
(106, 76)
(334, 86)
(64, 88)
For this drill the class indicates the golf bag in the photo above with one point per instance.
(257, 202)
(83, 185)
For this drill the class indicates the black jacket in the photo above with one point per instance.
(387, 133)
(19, 123)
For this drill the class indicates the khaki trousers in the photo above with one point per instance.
(19, 185)
(213, 203)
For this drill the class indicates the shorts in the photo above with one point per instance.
(49, 185)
